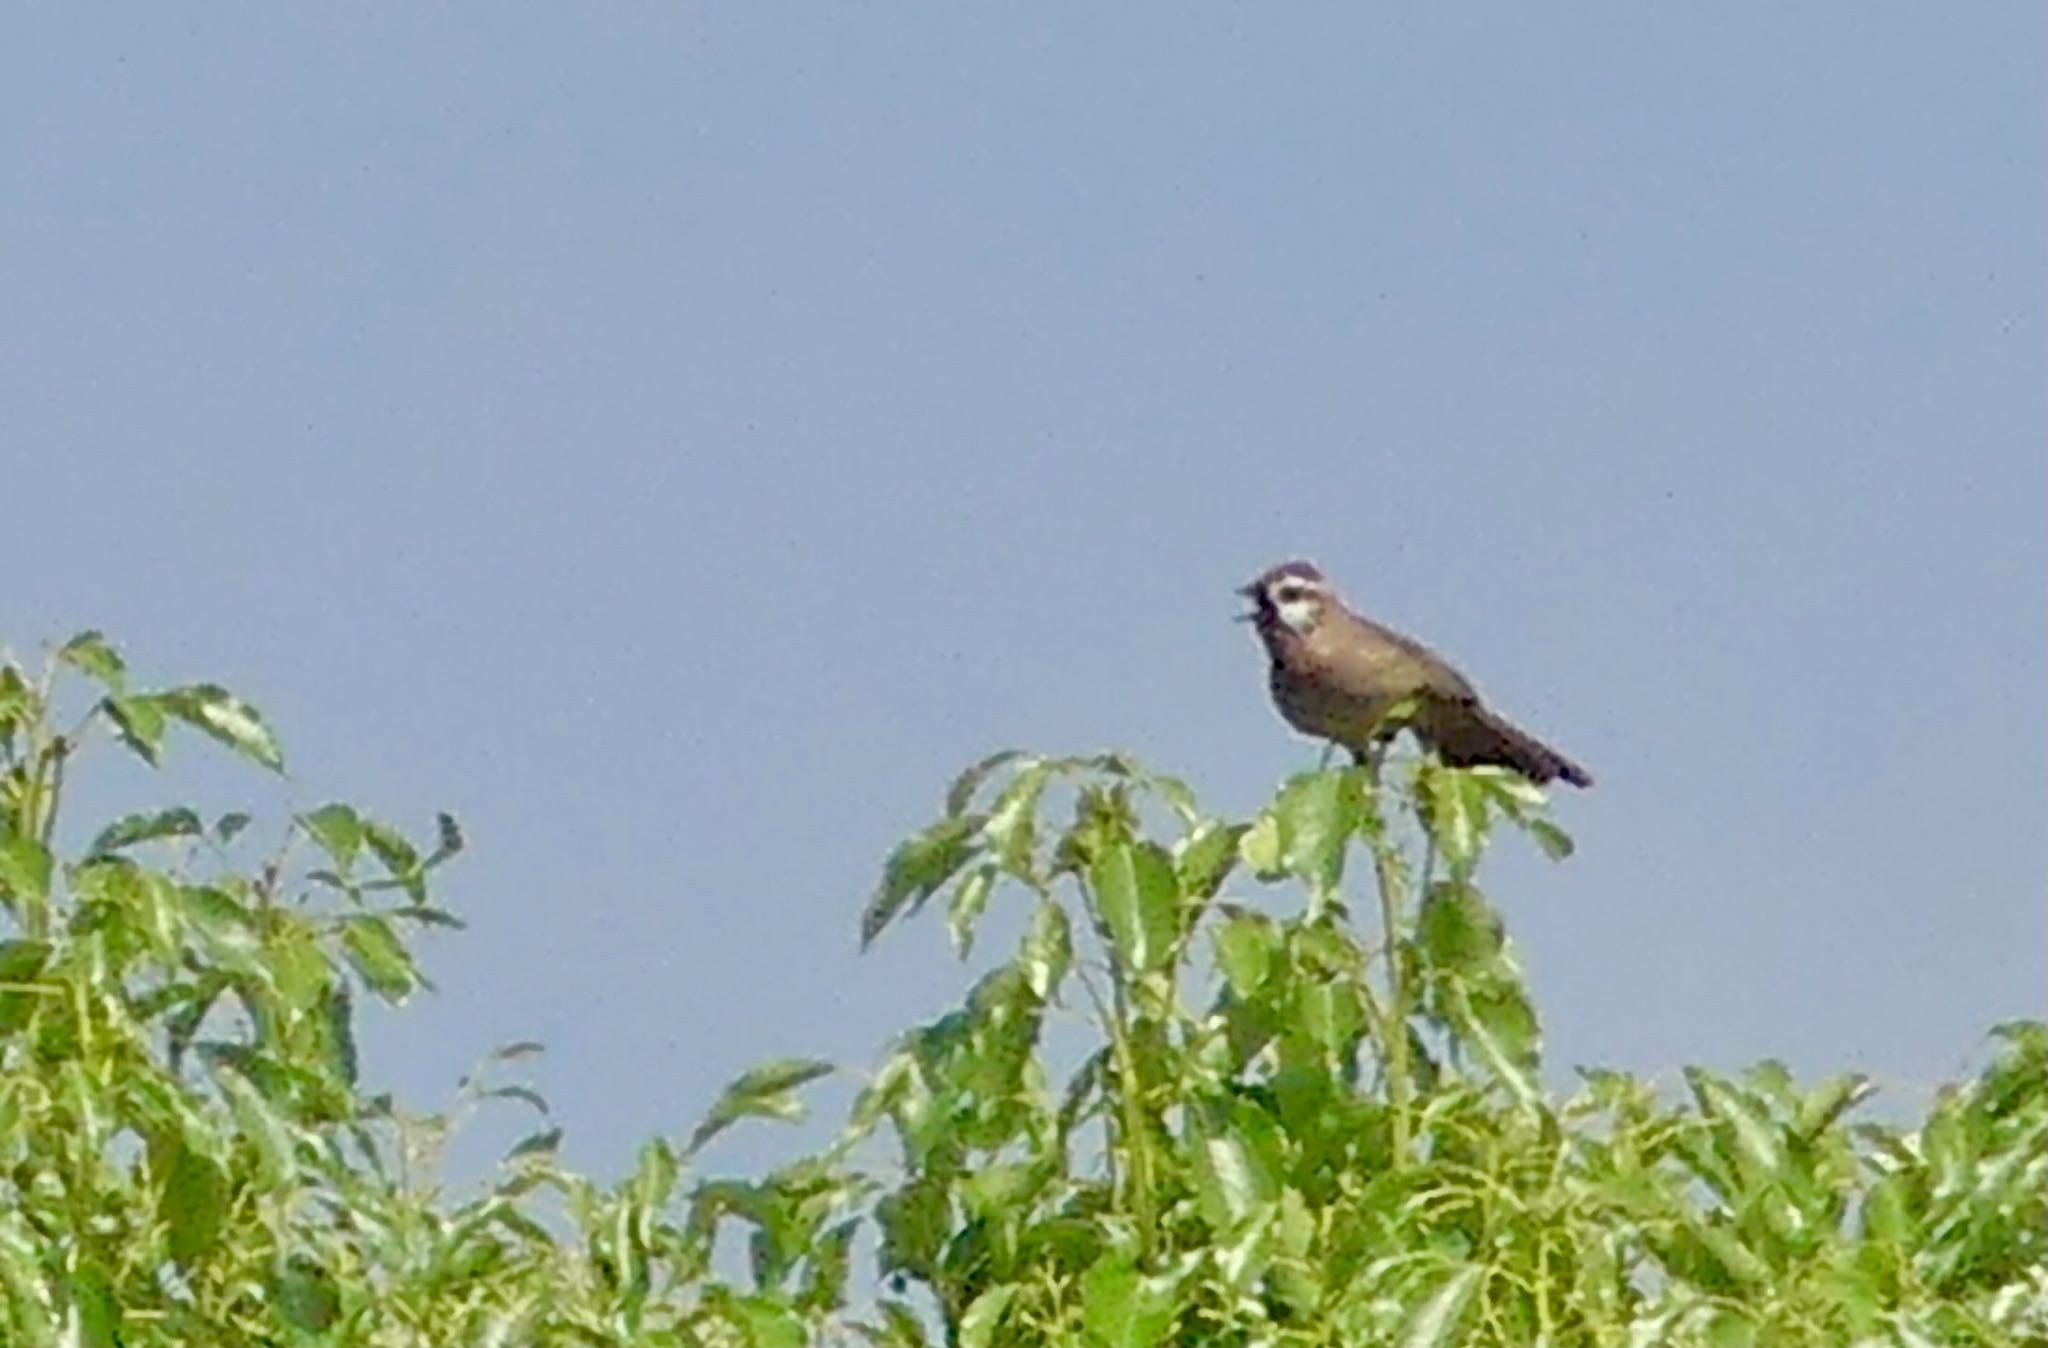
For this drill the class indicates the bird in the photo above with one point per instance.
(1337, 675)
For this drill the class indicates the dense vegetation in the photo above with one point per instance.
(1210, 1097)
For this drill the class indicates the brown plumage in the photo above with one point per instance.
(1335, 675)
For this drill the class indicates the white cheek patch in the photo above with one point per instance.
(1299, 615)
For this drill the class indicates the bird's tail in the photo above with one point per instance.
(1479, 736)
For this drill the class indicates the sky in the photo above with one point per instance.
(676, 438)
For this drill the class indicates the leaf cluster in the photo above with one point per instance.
(1263, 1081)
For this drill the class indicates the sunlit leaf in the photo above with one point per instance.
(1203, 857)
(139, 721)
(1457, 931)
(767, 1091)
(210, 708)
(964, 909)
(147, 827)
(380, 957)
(1246, 946)
(338, 831)
(1121, 1307)
(985, 1315)
(961, 793)
(917, 868)
(1048, 949)
(1137, 899)
(24, 867)
(1437, 1320)
(1318, 812)
(90, 653)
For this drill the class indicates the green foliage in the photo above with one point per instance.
(1278, 1128)
(1200, 1100)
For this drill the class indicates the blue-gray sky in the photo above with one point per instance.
(676, 438)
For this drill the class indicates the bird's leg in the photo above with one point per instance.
(1329, 751)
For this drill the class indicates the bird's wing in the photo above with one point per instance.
(1387, 666)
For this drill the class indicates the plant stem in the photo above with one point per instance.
(1137, 1139)
(1386, 865)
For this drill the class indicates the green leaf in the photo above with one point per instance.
(917, 868)
(338, 831)
(1318, 812)
(1122, 1308)
(98, 1309)
(139, 721)
(90, 653)
(210, 708)
(24, 867)
(1237, 1161)
(193, 1204)
(380, 957)
(961, 793)
(772, 1325)
(1011, 828)
(1555, 842)
(1259, 847)
(1246, 946)
(543, 1143)
(1503, 1021)
(1440, 1316)
(1048, 950)
(1138, 901)
(1204, 857)
(915, 1221)
(306, 1294)
(395, 852)
(20, 962)
(970, 898)
(978, 1326)
(1457, 931)
(1454, 811)
(131, 829)
(1758, 1150)
(766, 1091)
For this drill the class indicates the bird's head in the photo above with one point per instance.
(1290, 597)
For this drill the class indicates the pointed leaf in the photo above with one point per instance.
(139, 721)
(978, 1326)
(338, 831)
(1122, 1308)
(766, 1091)
(380, 957)
(131, 829)
(970, 898)
(24, 867)
(1048, 949)
(1438, 1319)
(1138, 901)
(1246, 947)
(90, 653)
(210, 708)
(917, 868)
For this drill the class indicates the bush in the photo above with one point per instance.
(1172, 1114)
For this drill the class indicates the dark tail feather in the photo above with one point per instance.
(1470, 735)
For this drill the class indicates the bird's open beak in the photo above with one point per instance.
(1248, 591)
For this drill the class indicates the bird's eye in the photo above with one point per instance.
(1291, 594)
